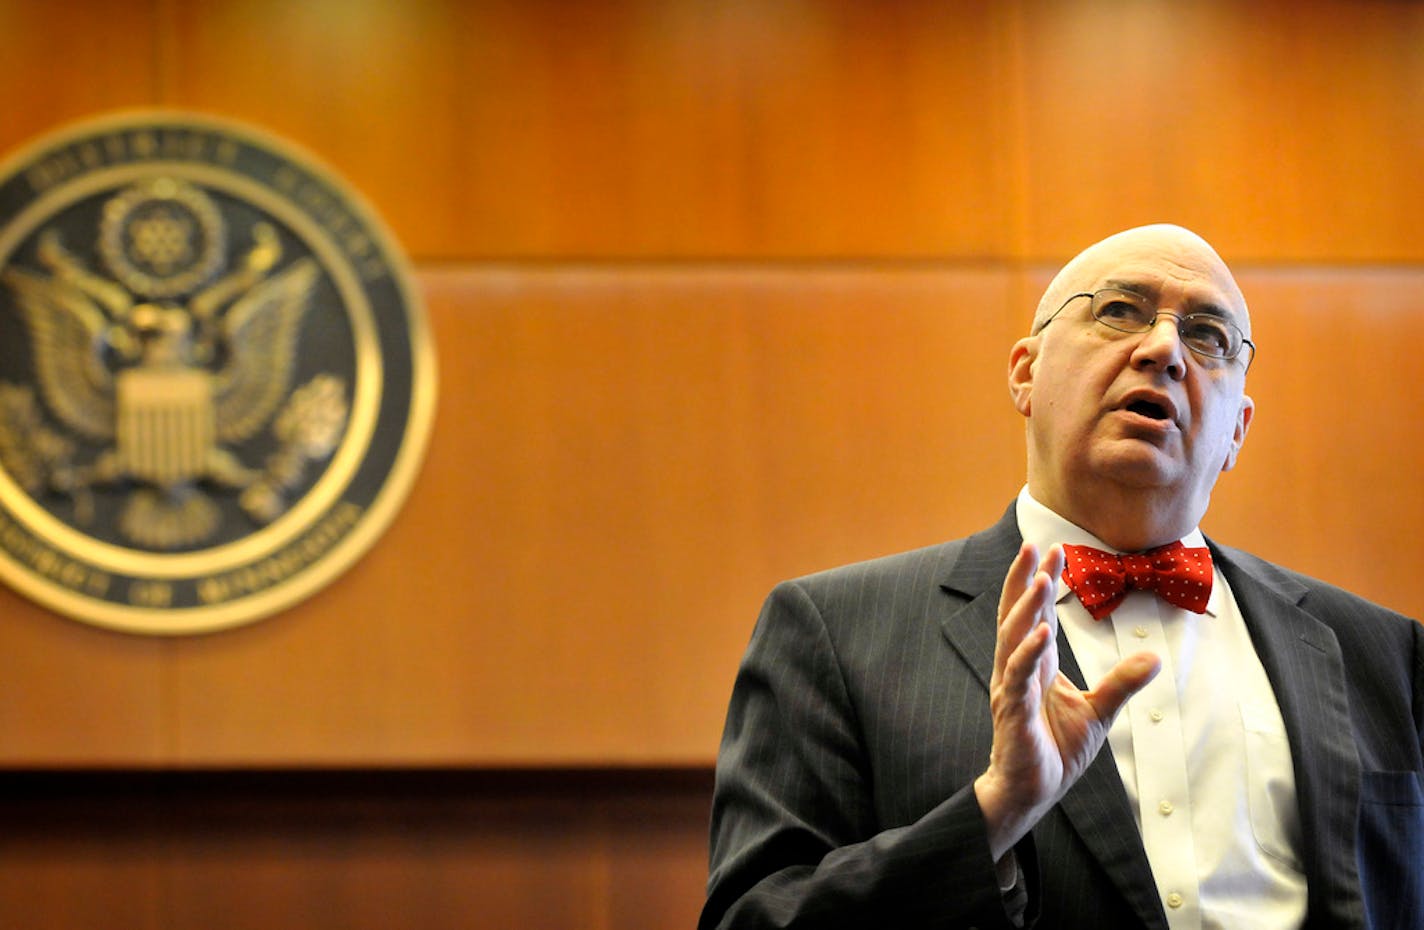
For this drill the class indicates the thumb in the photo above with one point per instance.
(1127, 678)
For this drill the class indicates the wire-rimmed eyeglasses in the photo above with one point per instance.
(1209, 335)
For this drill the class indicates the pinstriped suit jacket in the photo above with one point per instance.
(860, 718)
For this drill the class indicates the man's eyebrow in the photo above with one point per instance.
(1211, 309)
(1132, 287)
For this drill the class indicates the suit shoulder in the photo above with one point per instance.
(874, 590)
(925, 562)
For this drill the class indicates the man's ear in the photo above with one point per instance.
(1021, 359)
(1238, 438)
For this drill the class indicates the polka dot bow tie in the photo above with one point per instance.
(1179, 575)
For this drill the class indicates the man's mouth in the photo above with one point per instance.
(1148, 409)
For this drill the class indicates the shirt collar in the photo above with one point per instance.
(1043, 527)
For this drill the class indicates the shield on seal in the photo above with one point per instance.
(166, 427)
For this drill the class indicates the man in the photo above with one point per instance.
(910, 741)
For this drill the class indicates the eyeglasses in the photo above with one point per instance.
(1209, 335)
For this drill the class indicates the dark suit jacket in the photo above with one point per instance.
(860, 718)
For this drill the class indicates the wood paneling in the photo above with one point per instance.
(624, 462)
(70, 695)
(722, 293)
(1328, 482)
(631, 127)
(638, 128)
(1284, 131)
(62, 62)
(1281, 131)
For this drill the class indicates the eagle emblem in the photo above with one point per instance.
(161, 362)
(216, 378)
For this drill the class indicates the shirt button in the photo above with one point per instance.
(1174, 900)
(1165, 808)
(1140, 632)
(1155, 715)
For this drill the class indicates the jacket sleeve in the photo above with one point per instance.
(796, 841)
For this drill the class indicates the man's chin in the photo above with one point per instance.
(1137, 464)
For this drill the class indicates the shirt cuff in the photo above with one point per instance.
(1015, 892)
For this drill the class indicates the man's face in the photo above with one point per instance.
(1119, 416)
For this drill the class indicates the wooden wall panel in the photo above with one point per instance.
(1328, 482)
(640, 128)
(632, 127)
(634, 441)
(60, 62)
(761, 264)
(70, 695)
(1281, 131)
(1284, 131)
(624, 463)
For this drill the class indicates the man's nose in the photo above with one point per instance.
(1162, 345)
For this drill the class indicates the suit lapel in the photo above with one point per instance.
(1097, 806)
(1301, 657)
(974, 578)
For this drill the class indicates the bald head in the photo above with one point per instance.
(1163, 246)
(1128, 429)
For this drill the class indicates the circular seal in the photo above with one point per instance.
(216, 380)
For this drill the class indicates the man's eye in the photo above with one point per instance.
(1207, 334)
(1120, 310)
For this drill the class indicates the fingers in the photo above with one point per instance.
(1012, 624)
(1028, 623)
(1028, 626)
(1018, 579)
(1023, 665)
(1054, 563)
(1125, 679)
(1052, 569)
(1026, 602)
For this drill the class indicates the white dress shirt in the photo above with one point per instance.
(1202, 750)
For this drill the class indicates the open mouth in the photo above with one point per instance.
(1148, 409)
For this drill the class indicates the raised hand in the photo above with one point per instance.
(1046, 731)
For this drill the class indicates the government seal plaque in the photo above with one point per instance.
(216, 381)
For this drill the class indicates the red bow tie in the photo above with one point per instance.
(1179, 575)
